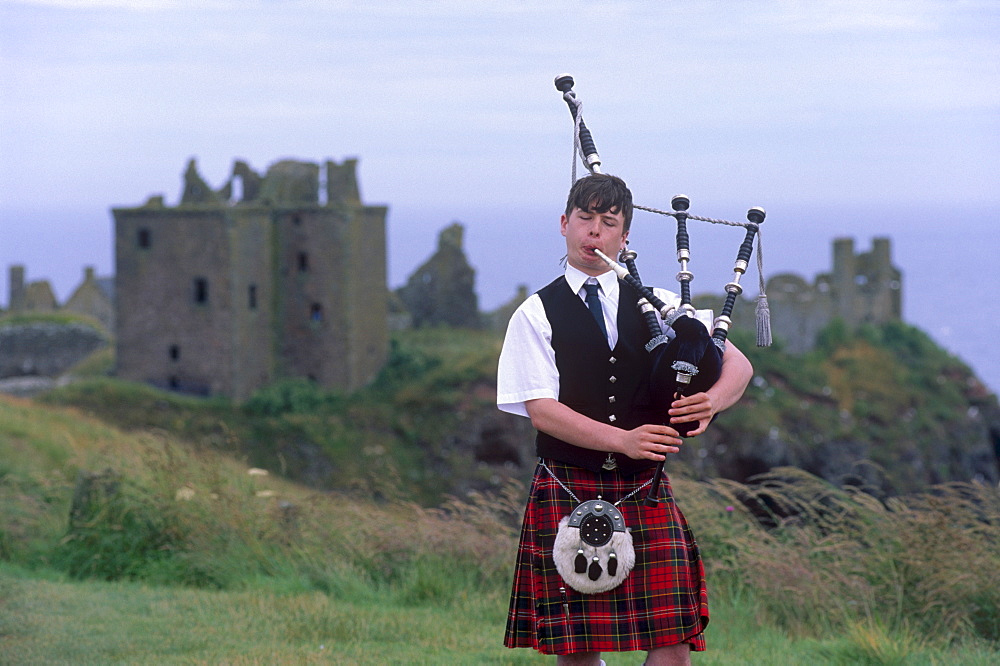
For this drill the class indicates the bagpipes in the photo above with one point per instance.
(689, 361)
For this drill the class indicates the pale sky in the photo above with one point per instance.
(842, 118)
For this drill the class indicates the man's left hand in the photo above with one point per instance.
(698, 407)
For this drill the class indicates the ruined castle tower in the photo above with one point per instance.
(36, 296)
(862, 288)
(442, 290)
(16, 303)
(221, 296)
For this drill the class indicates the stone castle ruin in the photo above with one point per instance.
(442, 290)
(862, 288)
(93, 298)
(36, 350)
(284, 275)
(260, 280)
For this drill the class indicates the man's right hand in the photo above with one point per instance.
(651, 442)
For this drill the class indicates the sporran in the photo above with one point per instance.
(593, 550)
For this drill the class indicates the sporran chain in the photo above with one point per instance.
(577, 499)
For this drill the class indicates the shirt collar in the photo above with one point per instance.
(608, 280)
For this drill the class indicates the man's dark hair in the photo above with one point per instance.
(601, 193)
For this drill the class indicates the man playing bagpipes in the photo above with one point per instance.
(596, 569)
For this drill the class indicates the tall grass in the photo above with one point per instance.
(861, 578)
(168, 514)
(819, 558)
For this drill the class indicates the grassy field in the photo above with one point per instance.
(136, 545)
(45, 620)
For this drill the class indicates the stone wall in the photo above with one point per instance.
(45, 349)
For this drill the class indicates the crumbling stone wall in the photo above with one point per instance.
(47, 349)
(441, 292)
(290, 182)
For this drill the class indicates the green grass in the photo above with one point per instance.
(58, 317)
(59, 622)
(54, 621)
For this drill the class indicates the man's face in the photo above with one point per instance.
(586, 231)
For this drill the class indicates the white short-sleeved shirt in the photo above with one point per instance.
(527, 369)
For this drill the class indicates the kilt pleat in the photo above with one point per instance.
(663, 601)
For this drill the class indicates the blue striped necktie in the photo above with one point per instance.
(594, 303)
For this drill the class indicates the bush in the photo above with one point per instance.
(290, 396)
(116, 531)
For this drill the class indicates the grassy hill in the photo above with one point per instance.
(119, 496)
(153, 530)
(884, 409)
(393, 438)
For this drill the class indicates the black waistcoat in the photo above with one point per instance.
(607, 385)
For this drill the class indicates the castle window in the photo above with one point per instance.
(200, 290)
(175, 352)
(252, 297)
(316, 312)
(303, 262)
(145, 238)
(173, 383)
(296, 220)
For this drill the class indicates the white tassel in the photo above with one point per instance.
(763, 322)
(763, 312)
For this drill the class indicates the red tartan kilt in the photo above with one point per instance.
(663, 601)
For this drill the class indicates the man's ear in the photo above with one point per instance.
(563, 220)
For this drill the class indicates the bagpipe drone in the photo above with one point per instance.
(690, 360)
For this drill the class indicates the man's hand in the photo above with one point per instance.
(650, 441)
(693, 408)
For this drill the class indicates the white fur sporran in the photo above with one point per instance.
(593, 549)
